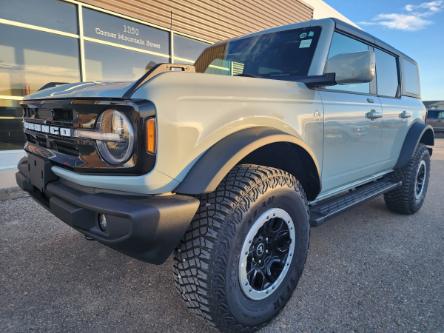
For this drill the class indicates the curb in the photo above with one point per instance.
(10, 193)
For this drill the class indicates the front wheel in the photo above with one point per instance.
(409, 198)
(245, 250)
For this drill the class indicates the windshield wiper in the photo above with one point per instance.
(248, 75)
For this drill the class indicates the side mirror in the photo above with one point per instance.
(356, 67)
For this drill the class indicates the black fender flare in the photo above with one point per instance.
(212, 167)
(417, 133)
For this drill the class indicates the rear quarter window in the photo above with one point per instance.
(410, 78)
(386, 74)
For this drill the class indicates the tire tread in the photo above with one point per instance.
(194, 263)
(400, 200)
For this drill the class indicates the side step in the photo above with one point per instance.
(322, 210)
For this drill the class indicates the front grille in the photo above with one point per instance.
(51, 113)
(64, 146)
(54, 115)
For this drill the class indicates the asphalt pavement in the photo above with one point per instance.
(368, 270)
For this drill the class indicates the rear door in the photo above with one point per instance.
(398, 111)
(352, 126)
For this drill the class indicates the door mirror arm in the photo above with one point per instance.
(314, 81)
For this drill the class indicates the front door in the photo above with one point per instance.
(352, 138)
(352, 126)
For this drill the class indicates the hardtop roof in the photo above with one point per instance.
(348, 28)
(341, 26)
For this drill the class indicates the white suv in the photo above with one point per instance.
(229, 162)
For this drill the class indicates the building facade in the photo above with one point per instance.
(45, 41)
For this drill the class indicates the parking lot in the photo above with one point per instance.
(367, 270)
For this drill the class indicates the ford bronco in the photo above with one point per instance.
(226, 164)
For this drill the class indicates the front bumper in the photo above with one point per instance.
(144, 227)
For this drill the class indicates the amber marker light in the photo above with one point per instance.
(151, 135)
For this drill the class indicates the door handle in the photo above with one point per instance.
(405, 114)
(370, 100)
(373, 114)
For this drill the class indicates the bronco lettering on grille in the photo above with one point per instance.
(54, 130)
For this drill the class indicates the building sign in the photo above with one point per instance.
(120, 31)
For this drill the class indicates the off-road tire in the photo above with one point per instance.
(206, 266)
(403, 199)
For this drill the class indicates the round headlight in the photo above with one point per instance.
(118, 146)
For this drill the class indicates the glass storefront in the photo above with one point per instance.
(41, 42)
(11, 131)
(52, 14)
(114, 29)
(29, 59)
(186, 49)
(118, 65)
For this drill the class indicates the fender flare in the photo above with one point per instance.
(417, 133)
(212, 167)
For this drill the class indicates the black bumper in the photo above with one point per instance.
(144, 227)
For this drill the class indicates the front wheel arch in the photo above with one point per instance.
(291, 158)
(254, 145)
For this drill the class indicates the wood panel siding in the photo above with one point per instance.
(211, 20)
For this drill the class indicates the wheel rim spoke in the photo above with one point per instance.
(420, 179)
(267, 254)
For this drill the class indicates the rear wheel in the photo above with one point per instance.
(409, 198)
(245, 250)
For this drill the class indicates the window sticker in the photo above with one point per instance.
(303, 35)
(305, 43)
(311, 34)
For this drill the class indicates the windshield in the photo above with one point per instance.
(282, 55)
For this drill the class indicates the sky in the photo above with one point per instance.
(413, 27)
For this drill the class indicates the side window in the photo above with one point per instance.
(343, 44)
(410, 78)
(386, 74)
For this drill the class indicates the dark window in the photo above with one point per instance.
(29, 59)
(11, 125)
(435, 114)
(120, 31)
(188, 48)
(341, 44)
(283, 55)
(386, 74)
(108, 63)
(410, 78)
(53, 14)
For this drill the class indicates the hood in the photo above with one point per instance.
(106, 89)
(83, 90)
